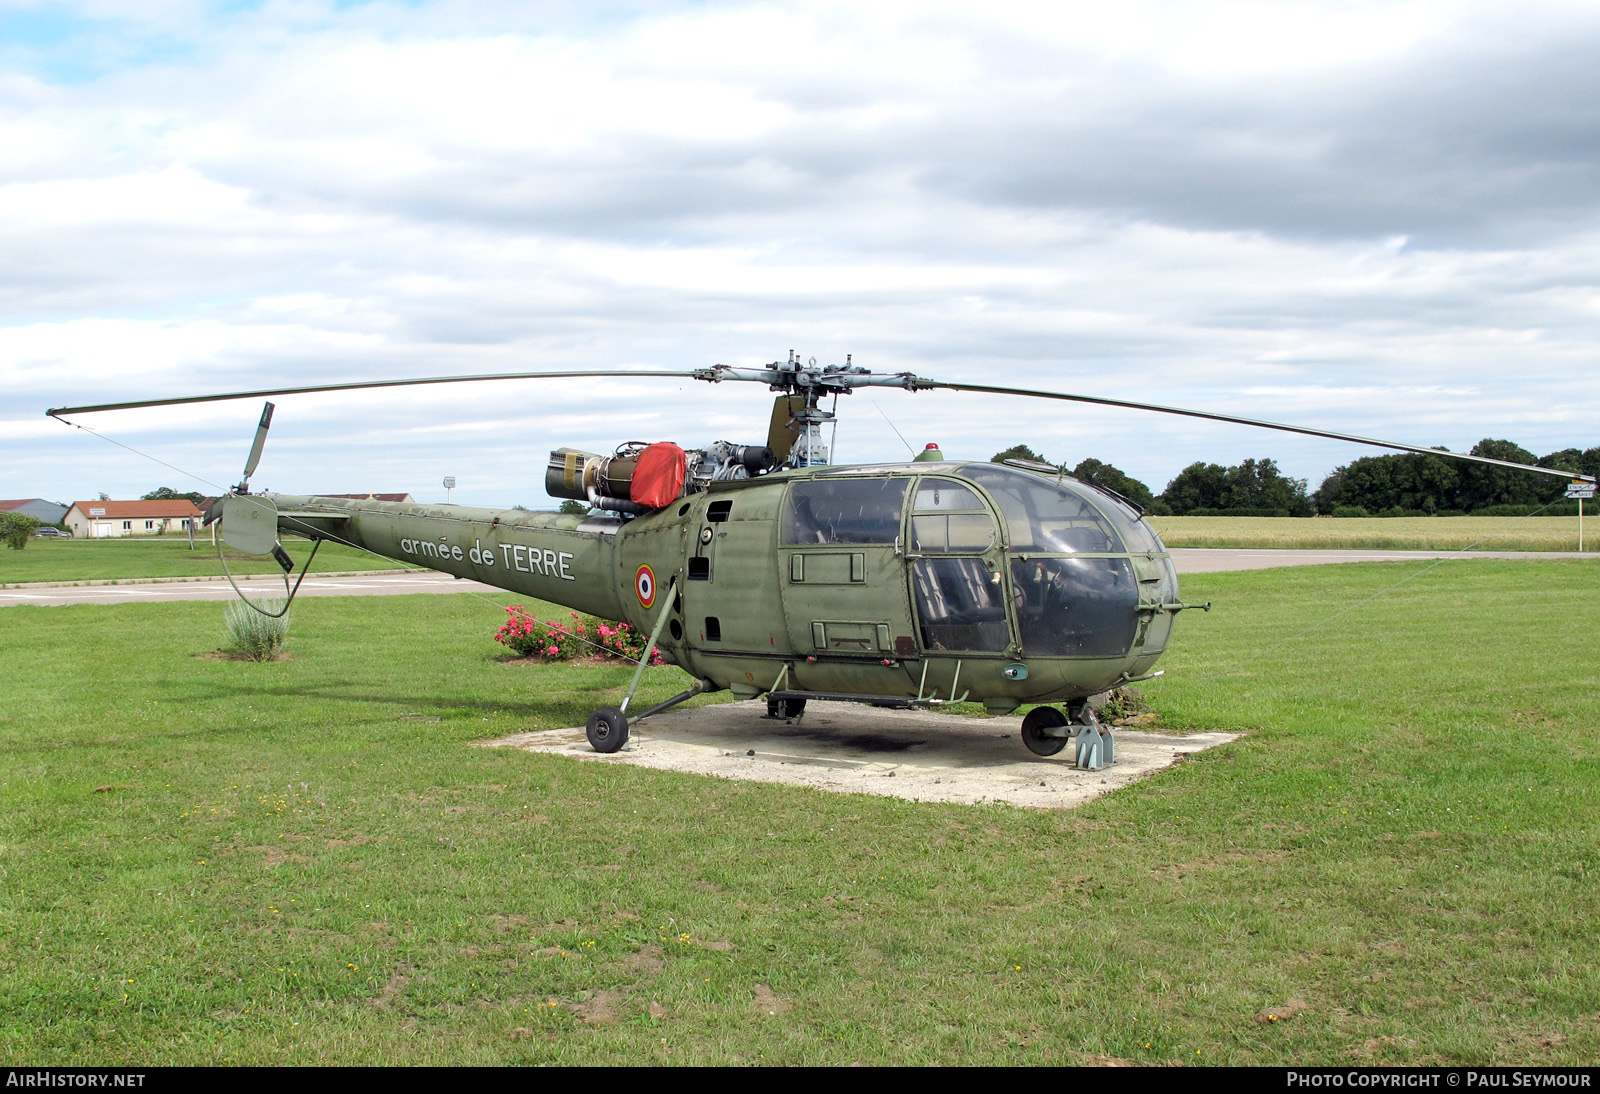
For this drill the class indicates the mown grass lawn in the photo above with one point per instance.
(219, 862)
(164, 556)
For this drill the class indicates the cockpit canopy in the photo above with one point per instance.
(1066, 570)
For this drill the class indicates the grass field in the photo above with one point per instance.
(163, 556)
(306, 862)
(1381, 533)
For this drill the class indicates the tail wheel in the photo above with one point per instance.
(607, 729)
(1034, 727)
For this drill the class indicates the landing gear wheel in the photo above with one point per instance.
(1037, 720)
(607, 729)
(785, 708)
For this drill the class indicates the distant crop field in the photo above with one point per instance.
(208, 862)
(162, 556)
(1381, 533)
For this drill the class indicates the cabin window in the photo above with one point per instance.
(949, 518)
(717, 512)
(1075, 607)
(828, 511)
(713, 629)
(960, 605)
(699, 569)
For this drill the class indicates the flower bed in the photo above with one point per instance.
(586, 636)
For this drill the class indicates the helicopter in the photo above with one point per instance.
(767, 570)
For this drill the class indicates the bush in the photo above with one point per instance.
(253, 636)
(621, 640)
(1562, 508)
(15, 528)
(1350, 511)
(528, 636)
(1123, 703)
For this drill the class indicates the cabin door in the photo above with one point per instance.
(842, 575)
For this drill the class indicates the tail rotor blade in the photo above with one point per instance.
(260, 442)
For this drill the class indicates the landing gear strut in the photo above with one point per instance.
(785, 708)
(1046, 731)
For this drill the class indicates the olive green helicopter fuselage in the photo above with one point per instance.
(903, 583)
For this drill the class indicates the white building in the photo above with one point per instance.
(101, 519)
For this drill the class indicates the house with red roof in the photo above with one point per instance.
(102, 519)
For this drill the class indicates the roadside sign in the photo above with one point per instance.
(1580, 490)
(449, 482)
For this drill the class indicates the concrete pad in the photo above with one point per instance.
(853, 749)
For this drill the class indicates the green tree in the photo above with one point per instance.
(1199, 486)
(1331, 492)
(1258, 484)
(15, 529)
(167, 493)
(1110, 478)
(1252, 484)
(573, 508)
(1376, 483)
(1017, 452)
(1483, 485)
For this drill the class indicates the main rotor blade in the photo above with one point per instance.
(261, 439)
(314, 388)
(923, 385)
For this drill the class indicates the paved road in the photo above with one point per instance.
(1207, 560)
(377, 583)
(1189, 560)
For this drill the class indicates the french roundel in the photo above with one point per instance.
(644, 586)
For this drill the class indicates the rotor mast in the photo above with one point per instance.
(811, 382)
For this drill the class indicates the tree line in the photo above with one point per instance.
(1400, 485)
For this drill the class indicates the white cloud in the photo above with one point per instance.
(1378, 218)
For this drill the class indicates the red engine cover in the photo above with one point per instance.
(658, 478)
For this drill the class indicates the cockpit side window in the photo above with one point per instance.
(828, 511)
(960, 605)
(1044, 516)
(949, 518)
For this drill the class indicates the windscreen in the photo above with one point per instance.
(1072, 606)
(1075, 607)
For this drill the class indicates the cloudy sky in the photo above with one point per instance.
(1377, 218)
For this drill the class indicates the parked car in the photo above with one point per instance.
(45, 533)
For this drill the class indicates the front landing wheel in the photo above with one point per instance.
(607, 729)
(1035, 725)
